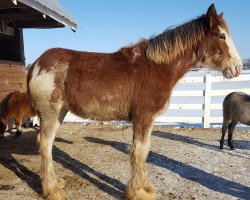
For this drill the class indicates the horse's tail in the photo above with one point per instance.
(29, 98)
(229, 104)
(32, 108)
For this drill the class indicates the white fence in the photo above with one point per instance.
(197, 98)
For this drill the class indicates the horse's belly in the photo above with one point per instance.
(97, 111)
(100, 103)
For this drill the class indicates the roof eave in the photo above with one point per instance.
(54, 15)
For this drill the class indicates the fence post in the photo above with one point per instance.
(206, 118)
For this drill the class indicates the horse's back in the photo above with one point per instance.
(236, 98)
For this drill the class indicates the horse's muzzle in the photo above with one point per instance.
(232, 72)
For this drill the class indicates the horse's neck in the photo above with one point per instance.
(180, 66)
(172, 71)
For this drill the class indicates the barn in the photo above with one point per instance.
(16, 15)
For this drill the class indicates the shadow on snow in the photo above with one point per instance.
(207, 180)
(26, 145)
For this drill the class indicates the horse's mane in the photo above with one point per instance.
(4, 104)
(174, 42)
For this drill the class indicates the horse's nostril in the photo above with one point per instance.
(238, 70)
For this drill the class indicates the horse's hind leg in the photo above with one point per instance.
(230, 133)
(50, 121)
(2, 129)
(18, 127)
(139, 187)
(224, 128)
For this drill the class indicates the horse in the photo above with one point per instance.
(132, 84)
(236, 108)
(15, 105)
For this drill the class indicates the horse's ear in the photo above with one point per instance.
(211, 10)
(212, 15)
(221, 15)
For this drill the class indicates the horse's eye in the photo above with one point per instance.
(222, 36)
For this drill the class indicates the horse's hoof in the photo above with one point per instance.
(60, 182)
(145, 193)
(221, 147)
(149, 189)
(56, 194)
(231, 146)
(18, 134)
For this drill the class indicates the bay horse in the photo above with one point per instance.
(133, 84)
(15, 106)
(236, 108)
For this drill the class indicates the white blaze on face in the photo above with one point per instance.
(235, 59)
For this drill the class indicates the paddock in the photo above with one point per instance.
(184, 163)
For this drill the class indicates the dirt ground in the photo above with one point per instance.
(184, 163)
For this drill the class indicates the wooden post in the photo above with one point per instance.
(206, 118)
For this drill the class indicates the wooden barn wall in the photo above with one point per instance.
(12, 78)
(12, 48)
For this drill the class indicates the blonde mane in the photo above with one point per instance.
(173, 43)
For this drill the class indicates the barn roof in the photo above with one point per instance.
(53, 9)
(19, 14)
(16, 15)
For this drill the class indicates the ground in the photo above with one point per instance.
(184, 163)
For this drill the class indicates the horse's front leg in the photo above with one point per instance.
(138, 186)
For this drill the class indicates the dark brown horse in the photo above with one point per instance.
(15, 106)
(236, 108)
(134, 83)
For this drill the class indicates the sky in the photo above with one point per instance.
(106, 26)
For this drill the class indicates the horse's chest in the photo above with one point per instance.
(164, 107)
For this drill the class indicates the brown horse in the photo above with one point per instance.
(236, 107)
(15, 106)
(134, 83)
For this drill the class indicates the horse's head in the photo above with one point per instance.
(2, 127)
(217, 50)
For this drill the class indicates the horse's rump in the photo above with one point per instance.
(16, 104)
(4, 105)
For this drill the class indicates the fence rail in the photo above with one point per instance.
(202, 99)
(197, 98)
